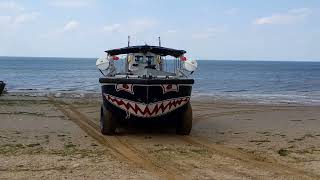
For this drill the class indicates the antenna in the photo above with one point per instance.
(128, 41)
(159, 41)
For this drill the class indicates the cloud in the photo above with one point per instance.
(5, 20)
(18, 19)
(25, 18)
(70, 3)
(232, 11)
(10, 6)
(14, 15)
(208, 33)
(131, 27)
(70, 26)
(112, 28)
(172, 31)
(290, 17)
(142, 24)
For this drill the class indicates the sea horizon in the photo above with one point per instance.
(211, 59)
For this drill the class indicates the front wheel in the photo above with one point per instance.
(107, 122)
(184, 121)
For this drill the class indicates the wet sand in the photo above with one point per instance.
(42, 138)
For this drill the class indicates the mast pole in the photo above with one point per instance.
(161, 60)
(126, 64)
(159, 41)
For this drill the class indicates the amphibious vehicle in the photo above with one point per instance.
(144, 88)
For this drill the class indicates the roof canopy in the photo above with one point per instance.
(146, 48)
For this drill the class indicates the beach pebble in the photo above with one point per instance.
(75, 165)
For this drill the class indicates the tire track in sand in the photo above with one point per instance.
(251, 160)
(209, 115)
(246, 159)
(121, 139)
(118, 148)
(172, 167)
(216, 168)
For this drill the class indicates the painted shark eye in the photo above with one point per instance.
(125, 86)
(169, 88)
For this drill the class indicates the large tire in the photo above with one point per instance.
(184, 121)
(107, 122)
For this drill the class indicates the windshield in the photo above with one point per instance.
(139, 59)
(150, 60)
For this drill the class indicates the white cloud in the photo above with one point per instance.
(232, 11)
(143, 23)
(71, 26)
(10, 6)
(172, 31)
(27, 17)
(216, 29)
(112, 28)
(292, 16)
(70, 3)
(5, 20)
(131, 27)
(14, 15)
(18, 19)
(208, 33)
(140, 25)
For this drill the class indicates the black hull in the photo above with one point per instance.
(2, 85)
(145, 98)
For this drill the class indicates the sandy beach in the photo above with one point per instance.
(55, 138)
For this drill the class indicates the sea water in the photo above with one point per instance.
(262, 81)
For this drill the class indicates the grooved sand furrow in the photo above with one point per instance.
(246, 165)
(113, 143)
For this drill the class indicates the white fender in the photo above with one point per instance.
(103, 63)
(190, 65)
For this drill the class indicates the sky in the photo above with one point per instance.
(206, 29)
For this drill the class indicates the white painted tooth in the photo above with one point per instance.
(166, 110)
(165, 103)
(142, 108)
(124, 100)
(132, 104)
(173, 105)
(139, 114)
(122, 106)
(132, 111)
(152, 106)
(160, 112)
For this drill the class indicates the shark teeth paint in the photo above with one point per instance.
(147, 110)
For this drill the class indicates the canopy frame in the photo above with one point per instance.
(162, 51)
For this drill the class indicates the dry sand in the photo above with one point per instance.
(43, 138)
